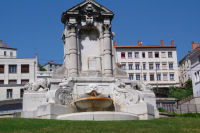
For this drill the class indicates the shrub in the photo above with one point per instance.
(181, 93)
(196, 115)
(161, 110)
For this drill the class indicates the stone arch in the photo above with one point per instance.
(90, 31)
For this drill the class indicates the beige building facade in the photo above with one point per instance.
(15, 73)
(155, 65)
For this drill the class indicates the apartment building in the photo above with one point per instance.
(185, 65)
(15, 73)
(155, 65)
(51, 66)
(195, 72)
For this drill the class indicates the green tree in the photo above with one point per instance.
(41, 68)
(181, 93)
(189, 88)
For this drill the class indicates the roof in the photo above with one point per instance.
(147, 46)
(8, 48)
(78, 10)
(52, 64)
(89, 1)
(185, 57)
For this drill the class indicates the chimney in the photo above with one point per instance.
(140, 43)
(51, 62)
(197, 48)
(115, 43)
(172, 43)
(195, 45)
(5, 45)
(162, 43)
(1, 41)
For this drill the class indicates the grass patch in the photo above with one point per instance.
(164, 125)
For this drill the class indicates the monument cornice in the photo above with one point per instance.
(89, 8)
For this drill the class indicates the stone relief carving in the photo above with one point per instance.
(141, 86)
(89, 10)
(125, 95)
(93, 90)
(63, 95)
(39, 85)
(89, 20)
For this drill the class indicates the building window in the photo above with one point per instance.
(143, 54)
(144, 66)
(24, 81)
(122, 55)
(1, 68)
(138, 77)
(150, 55)
(150, 66)
(145, 77)
(136, 54)
(171, 66)
(195, 77)
(151, 77)
(24, 68)
(199, 58)
(169, 54)
(12, 82)
(1, 82)
(123, 66)
(129, 54)
(156, 54)
(21, 93)
(137, 66)
(164, 65)
(5, 53)
(130, 66)
(157, 66)
(131, 77)
(9, 93)
(11, 54)
(165, 76)
(12, 68)
(158, 77)
(171, 77)
(163, 55)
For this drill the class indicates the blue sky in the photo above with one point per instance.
(34, 26)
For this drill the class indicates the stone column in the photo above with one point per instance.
(19, 75)
(107, 57)
(6, 73)
(72, 46)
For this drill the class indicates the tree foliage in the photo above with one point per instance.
(181, 93)
(41, 68)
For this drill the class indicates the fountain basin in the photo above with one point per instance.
(98, 116)
(94, 104)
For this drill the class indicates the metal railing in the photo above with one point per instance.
(183, 108)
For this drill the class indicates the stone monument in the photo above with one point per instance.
(89, 86)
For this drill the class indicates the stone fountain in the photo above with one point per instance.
(89, 86)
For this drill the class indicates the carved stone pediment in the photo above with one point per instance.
(88, 8)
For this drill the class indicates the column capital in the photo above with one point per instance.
(71, 26)
(107, 28)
